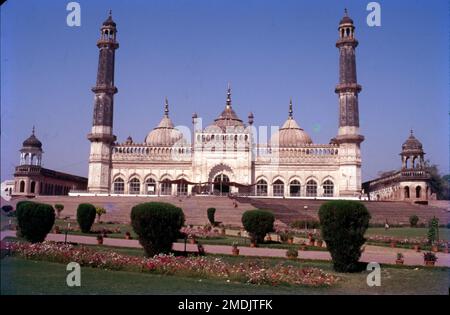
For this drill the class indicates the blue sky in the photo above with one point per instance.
(188, 50)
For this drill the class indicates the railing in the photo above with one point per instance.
(28, 169)
(305, 153)
(143, 152)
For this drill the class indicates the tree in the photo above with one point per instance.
(258, 223)
(343, 225)
(35, 220)
(438, 184)
(99, 211)
(157, 225)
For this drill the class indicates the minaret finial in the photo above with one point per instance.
(411, 132)
(32, 131)
(290, 108)
(110, 12)
(228, 95)
(166, 107)
(346, 12)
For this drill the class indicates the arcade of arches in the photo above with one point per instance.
(221, 185)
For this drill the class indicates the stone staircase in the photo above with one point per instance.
(285, 210)
(119, 208)
(396, 212)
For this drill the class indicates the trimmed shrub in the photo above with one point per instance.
(258, 223)
(85, 216)
(211, 215)
(22, 202)
(157, 225)
(35, 220)
(343, 225)
(413, 220)
(291, 253)
(7, 208)
(433, 227)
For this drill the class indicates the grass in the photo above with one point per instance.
(407, 232)
(19, 276)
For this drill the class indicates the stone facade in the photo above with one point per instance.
(224, 157)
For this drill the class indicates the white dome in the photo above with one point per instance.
(290, 134)
(165, 134)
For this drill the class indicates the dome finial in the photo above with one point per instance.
(166, 107)
(345, 12)
(32, 131)
(290, 108)
(411, 132)
(228, 95)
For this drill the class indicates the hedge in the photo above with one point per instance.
(157, 225)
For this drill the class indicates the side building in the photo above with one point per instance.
(31, 179)
(410, 183)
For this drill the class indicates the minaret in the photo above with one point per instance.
(348, 137)
(101, 135)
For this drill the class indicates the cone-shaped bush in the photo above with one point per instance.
(157, 225)
(35, 220)
(85, 216)
(343, 225)
(211, 212)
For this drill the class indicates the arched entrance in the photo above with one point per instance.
(221, 184)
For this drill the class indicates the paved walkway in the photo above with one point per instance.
(380, 254)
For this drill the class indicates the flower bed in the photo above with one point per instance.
(192, 266)
(201, 232)
(405, 242)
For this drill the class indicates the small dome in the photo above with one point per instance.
(109, 21)
(346, 19)
(129, 140)
(412, 144)
(290, 134)
(228, 118)
(32, 141)
(165, 134)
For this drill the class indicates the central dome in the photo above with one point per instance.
(228, 118)
(165, 134)
(290, 134)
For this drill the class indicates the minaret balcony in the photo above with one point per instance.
(347, 41)
(101, 137)
(348, 87)
(104, 89)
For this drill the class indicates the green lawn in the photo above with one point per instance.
(19, 276)
(409, 232)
